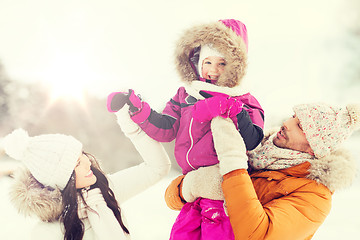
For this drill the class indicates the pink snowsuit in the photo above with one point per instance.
(194, 147)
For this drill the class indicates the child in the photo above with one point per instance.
(211, 60)
(68, 191)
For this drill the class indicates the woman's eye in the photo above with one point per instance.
(223, 64)
(207, 62)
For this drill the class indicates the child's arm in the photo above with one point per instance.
(250, 132)
(250, 121)
(161, 127)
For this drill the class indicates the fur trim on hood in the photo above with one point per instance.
(31, 198)
(336, 171)
(224, 40)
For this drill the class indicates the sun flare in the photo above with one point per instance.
(66, 88)
(68, 77)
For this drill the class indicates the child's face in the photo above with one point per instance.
(83, 175)
(213, 67)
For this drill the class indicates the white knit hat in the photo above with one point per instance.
(326, 127)
(207, 51)
(51, 158)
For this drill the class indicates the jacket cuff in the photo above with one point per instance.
(180, 191)
(141, 115)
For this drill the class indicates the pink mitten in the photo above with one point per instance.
(235, 106)
(117, 100)
(207, 109)
(216, 104)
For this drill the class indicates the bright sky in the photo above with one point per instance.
(111, 45)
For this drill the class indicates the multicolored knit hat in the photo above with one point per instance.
(326, 127)
(51, 158)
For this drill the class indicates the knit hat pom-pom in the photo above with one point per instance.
(354, 112)
(16, 143)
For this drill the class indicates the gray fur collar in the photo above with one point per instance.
(224, 40)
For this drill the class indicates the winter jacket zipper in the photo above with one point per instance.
(191, 144)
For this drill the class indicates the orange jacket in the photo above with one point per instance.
(282, 204)
(259, 207)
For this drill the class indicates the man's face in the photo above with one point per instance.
(291, 136)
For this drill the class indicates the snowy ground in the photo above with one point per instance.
(150, 219)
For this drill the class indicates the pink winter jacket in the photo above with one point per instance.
(194, 145)
(193, 140)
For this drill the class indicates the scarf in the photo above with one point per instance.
(99, 216)
(268, 156)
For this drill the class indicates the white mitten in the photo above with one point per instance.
(204, 182)
(229, 145)
(126, 124)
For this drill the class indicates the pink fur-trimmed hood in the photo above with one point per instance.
(229, 37)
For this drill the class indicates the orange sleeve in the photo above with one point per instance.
(173, 196)
(294, 216)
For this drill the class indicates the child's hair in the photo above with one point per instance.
(74, 227)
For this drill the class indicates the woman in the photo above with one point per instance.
(68, 191)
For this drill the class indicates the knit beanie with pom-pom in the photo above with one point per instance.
(326, 127)
(51, 158)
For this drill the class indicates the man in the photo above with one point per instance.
(286, 192)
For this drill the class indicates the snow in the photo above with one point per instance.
(299, 53)
(149, 218)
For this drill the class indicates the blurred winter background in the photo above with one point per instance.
(60, 59)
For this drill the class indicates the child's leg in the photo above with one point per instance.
(215, 223)
(187, 225)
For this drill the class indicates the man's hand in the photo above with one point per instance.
(229, 145)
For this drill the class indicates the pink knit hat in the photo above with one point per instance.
(239, 28)
(326, 127)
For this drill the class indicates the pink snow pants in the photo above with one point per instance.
(203, 219)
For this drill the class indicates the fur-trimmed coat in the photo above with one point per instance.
(289, 203)
(33, 199)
